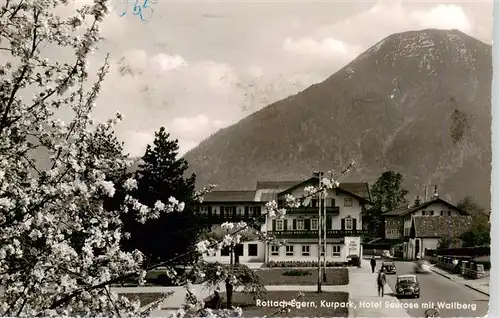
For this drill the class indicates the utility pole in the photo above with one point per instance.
(319, 234)
(324, 237)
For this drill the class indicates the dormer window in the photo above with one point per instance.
(348, 202)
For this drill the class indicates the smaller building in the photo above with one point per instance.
(421, 227)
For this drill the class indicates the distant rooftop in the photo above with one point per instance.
(441, 226)
(268, 191)
(230, 196)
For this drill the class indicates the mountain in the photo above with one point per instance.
(418, 102)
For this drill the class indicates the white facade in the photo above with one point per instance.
(253, 252)
(306, 250)
(414, 246)
(434, 209)
(299, 227)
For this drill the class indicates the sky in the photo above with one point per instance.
(196, 67)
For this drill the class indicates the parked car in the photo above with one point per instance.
(407, 285)
(389, 268)
(422, 267)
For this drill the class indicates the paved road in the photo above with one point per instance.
(438, 289)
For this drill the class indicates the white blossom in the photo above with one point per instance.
(130, 184)
(227, 226)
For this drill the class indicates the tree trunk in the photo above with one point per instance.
(229, 294)
(229, 286)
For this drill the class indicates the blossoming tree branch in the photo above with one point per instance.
(60, 249)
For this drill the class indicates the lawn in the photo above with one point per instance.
(313, 304)
(334, 276)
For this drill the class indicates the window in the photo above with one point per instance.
(275, 250)
(423, 212)
(305, 250)
(449, 213)
(225, 251)
(314, 203)
(252, 250)
(238, 250)
(442, 212)
(348, 224)
(289, 250)
(300, 224)
(322, 250)
(204, 210)
(314, 224)
(279, 225)
(432, 212)
(347, 202)
(336, 250)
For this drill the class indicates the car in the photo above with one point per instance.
(422, 267)
(389, 268)
(386, 254)
(407, 285)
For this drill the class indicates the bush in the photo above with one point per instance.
(297, 273)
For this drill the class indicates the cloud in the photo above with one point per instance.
(167, 62)
(196, 126)
(136, 142)
(382, 19)
(327, 48)
(444, 17)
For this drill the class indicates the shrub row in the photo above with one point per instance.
(304, 264)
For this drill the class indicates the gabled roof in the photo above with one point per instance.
(343, 187)
(441, 226)
(405, 211)
(280, 185)
(397, 212)
(230, 196)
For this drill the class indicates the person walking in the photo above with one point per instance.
(373, 263)
(381, 281)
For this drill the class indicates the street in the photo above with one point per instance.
(437, 289)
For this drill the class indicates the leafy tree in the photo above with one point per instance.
(479, 232)
(449, 242)
(387, 194)
(161, 176)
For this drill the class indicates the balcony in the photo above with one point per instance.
(219, 219)
(314, 233)
(332, 210)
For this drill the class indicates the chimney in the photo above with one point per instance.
(436, 195)
(425, 194)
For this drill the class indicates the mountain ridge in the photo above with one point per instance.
(417, 102)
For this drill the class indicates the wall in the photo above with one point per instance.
(344, 211)
(393, 226)
(436, 207)
(260, 258)
(352, 246)
(429, 243)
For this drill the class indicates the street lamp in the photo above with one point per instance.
(319, 174)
